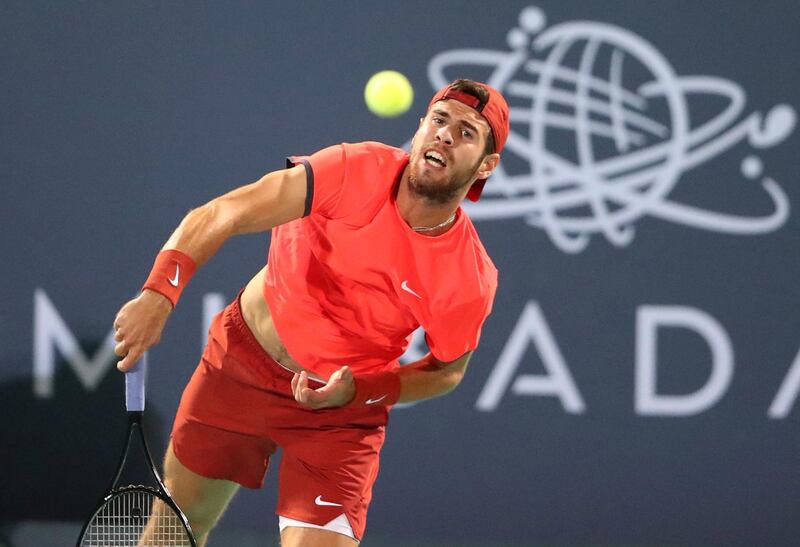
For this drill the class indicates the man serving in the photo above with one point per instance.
(368, 244)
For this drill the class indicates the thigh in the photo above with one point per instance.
(310, 537)
(203, 500)
(219, 429)
(329, 466)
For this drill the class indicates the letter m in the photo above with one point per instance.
(50, 332)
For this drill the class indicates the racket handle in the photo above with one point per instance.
(134, 386)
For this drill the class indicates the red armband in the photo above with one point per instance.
(171, 272)
(379, 388)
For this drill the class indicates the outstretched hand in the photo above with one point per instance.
(340, 390)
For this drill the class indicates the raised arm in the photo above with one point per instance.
(276, 198)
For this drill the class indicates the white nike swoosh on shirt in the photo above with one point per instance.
(174, 282)
(320, 501)
(373, 401)
(405, 287)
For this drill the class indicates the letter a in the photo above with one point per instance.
(531, 327)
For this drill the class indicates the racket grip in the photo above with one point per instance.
(134, 386)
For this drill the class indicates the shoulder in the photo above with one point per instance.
(371, 170)
(342, 176)
(367, 153)
(373, 154)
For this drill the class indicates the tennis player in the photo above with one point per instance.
(368, 243)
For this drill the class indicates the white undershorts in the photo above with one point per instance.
(340, 525)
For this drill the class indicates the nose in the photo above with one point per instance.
(444, 135)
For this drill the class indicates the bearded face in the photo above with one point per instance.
(447, 151)
(427, 181)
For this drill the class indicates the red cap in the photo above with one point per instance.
(495, 112)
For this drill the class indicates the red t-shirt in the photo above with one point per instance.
(350, 281)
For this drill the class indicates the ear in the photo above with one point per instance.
(488, 165)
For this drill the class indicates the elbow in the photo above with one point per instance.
(451, 380)
(212, 218)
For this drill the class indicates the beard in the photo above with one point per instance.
(439, 192)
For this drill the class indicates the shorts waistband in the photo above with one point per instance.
(237, 318)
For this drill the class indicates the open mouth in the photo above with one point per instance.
(435, 158)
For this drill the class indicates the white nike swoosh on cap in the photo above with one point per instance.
(174, 282)
(373, 401)
(405, 287)
(320, 501)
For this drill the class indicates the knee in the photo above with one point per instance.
(201, 499)
(197, 510)
(200, 528)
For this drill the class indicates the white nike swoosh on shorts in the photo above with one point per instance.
(320, 501)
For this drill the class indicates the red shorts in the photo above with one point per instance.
(238, 408)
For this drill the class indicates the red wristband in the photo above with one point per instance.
(378, 388)
(171, 272)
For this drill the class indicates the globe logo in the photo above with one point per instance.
(602, 130)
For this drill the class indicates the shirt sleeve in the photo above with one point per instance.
(324, 178)
(457, 330)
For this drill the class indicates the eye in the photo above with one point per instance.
(466, 133)
(437, 120)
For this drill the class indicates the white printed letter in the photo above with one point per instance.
(787, 393)
(531, 326)
(648, 320)
(49, 332)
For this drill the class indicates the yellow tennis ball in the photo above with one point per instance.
(388, 94)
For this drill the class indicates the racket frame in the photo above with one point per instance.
(134, 401)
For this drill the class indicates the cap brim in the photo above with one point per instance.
(474, 193)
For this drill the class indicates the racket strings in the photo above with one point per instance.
(135, 519)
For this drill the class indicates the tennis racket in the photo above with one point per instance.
(136, 515)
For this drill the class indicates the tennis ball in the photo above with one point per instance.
(388, 94)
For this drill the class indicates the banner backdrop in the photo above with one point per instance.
(637, 382)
